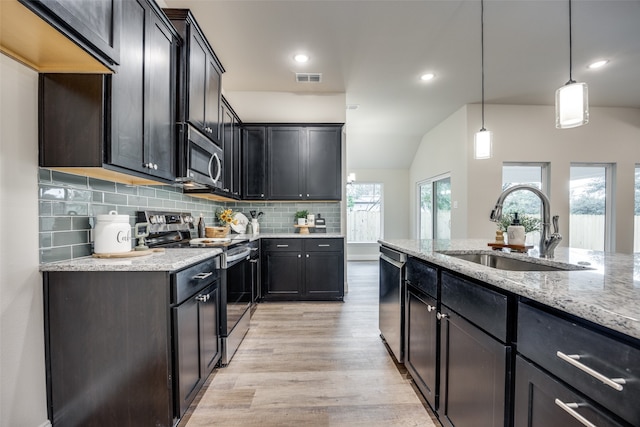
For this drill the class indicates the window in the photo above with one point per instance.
(590, 206)
(364, 212)
(525, 202)
(436, 193)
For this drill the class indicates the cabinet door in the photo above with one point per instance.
(209, 330)
(323, 177)
(231, 149)
(473, 368)
(254, 144)
(542, 401)
(160, 138)
(212, 100)
(324, 275)
(284, 150)
(186, 318)
(197, 75)
(94, 24)
(128, 90)
(282, 275)
(421, 351)
(236, 175)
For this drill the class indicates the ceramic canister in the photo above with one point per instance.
(112, 233)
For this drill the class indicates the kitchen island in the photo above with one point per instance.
(531, 347)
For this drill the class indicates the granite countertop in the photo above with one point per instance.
(608, 295)
(296, 236)
(169, 260)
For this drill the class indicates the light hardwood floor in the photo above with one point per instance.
(313, 364)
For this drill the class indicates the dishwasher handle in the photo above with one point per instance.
(393, 262)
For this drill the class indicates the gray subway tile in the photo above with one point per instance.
(45, 208)
(137, 201)
(79, 251)
(63, 209)
(44, 175)
(64, 238)
(126, 189)
(45, 240)
(115, 199)
(69, 179)
(55, 254)
(51, 223)
(146, 192)
(80, 223)
(101, 185)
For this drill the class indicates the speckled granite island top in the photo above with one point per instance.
(169, 260)
(608, 295)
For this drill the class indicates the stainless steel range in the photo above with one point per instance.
(174, 230)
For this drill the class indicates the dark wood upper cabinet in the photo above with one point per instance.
(303, 162)
(254, 149)
(125, 122)
(200, 73)
(231, 147)
(95, 25)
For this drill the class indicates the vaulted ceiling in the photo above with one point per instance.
(372, 53)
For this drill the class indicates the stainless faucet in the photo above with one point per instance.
(548, 241)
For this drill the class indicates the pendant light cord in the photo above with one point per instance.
(570, 49)
(482, 55)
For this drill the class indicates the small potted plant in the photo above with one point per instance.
(301, 217)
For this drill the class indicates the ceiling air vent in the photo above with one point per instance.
(308, 77)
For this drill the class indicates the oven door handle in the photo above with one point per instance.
(240, 255)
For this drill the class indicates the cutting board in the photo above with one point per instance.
(131, 254)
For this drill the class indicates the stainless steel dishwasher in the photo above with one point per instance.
(391, 303)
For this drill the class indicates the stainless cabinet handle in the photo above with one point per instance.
(253, 261)
(307, 255)
(202, 298)
(307, 194)
(299, 256)
(262, 195)
(282, 246)
(202, 276)
(570, 409)
(430, 308)
(323, 246)
(155, 166)
(300, 195)
(441, 316)
(572, 359)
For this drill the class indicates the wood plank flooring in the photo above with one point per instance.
(313, 364)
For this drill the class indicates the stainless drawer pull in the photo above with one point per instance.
(324, 246)
(430, 308)
(441, 316)
(615, 383)
(203, 298)
(282, 246)
(202, 276)
(570, 409)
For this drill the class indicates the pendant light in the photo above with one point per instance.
(482, 141)
(572, 99)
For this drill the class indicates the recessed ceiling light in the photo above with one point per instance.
(301, 57)
(598, 64)
(427, 76)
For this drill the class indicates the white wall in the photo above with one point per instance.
(22, 388)
(395, 216)
(528, 134)
(443, 150)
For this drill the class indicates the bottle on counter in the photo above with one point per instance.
(201, 226)
(515, 232)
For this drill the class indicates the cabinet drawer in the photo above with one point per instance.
(483, 307)
(192, 279)
(282, 244)
(555, 344)
(332, 245)
(540, 400)
(422, 276)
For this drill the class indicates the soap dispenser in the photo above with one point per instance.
(515, 232)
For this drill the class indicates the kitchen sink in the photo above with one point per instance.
(502, 262)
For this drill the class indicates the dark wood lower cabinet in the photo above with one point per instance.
(108, 349)
(473, 368)
(421, 352)
(542, 401)
(302, 269)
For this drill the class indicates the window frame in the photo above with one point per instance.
(360, 242)
(432, 182)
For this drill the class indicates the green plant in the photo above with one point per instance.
(530, 223)
(301, 214)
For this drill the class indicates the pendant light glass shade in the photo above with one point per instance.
(482, 144)
(572, 99)
(572, 105)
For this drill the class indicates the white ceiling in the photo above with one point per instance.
(371, 53)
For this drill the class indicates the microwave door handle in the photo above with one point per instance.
(209, 169)
(215, 180)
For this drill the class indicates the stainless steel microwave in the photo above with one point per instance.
(201, 161)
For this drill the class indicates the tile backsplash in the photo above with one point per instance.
(69, 203)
